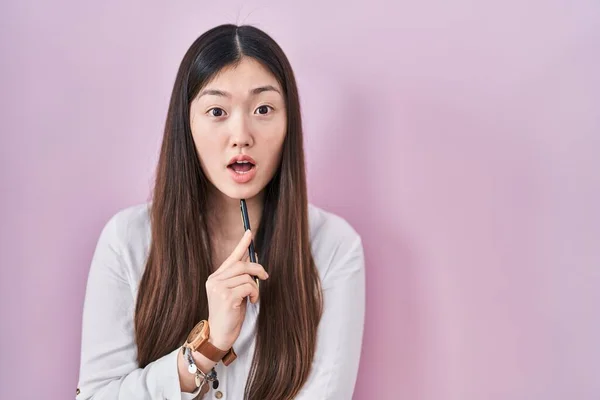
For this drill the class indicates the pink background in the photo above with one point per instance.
(466, 139)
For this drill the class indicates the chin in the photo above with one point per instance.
(241, 191)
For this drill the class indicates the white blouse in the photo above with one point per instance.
(109, 369)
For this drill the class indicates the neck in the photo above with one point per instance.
(225, 218)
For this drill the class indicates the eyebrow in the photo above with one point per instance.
(253, 92)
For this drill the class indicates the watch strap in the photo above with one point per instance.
(229, 357)
(211, 352)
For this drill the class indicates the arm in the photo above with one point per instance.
(339, 342)
(108, 369)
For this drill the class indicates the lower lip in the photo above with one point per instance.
(243, 177)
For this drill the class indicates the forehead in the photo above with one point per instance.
(240, 78)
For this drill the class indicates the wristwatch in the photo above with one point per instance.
(197, 340)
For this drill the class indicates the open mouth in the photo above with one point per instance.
(241, 167)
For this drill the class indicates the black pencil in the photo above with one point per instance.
(246, 222)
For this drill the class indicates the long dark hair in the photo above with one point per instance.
(172, 294)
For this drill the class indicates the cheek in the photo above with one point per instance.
(273, 147)
(207, 146)
(274, 133)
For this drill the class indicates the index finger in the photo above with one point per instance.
(239, 251)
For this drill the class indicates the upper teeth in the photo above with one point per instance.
(242, 162)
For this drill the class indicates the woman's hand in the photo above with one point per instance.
(227, 289)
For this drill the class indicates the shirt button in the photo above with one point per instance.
(218, 394)
(77, 391)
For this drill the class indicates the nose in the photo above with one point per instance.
(241, 135)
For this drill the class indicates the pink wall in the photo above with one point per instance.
(468, 138)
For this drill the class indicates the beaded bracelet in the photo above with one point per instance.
(200, 378)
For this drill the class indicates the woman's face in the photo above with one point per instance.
(240, 112)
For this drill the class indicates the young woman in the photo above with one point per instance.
(174, 309)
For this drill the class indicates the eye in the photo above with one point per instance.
(263, 110)
(216, 112)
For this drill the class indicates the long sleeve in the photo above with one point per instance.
(340, 333)
(108, 369)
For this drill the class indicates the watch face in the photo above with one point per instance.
(195, 333)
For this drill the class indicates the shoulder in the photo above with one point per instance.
(128, 224)
(336, 245)
(126, 234)
(325, 225)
